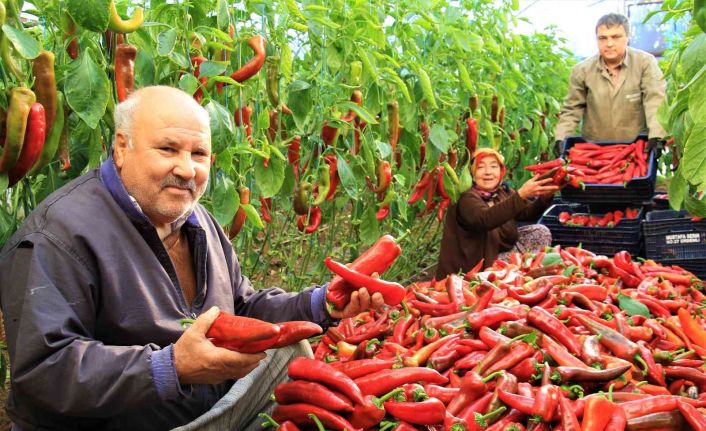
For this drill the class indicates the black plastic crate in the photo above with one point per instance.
(639, 190)
(627, 235)
(672, 236)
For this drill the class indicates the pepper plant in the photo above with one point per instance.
(683, 111)
(364, 101)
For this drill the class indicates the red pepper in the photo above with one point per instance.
(370, 412)
(242, 118)
(229, 327)
(317, 371)
(420, 188)
(384, 177)
(314, 220)
(249, 69)
(518, 402)
(428, 412)
(533, 297)
(612, 339)
(239, 218)
(693, 330)
(301, 391)
(420, 356)
(596, 414)
(384, 381)
(545, 321)
(196, 64)
(265, 207)
(473, 386)
(490, 317)
(125, 55)
(288, 426)
(377, 259)
(293, 155)
(471, 135)
(545, 166)
(33, 143)
(333, 175)
(392, 292)
(695, 418)
(300, 414)
(295, 331)
(363, 367)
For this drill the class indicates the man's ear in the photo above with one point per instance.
(120, 148)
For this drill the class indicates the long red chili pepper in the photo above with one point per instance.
(300, 414)
(696, 419)
(392, 292)
(249, 69)
(428, 412)
(317, 371)
(384, 381)
(545, 321)
(294, 331)
(33, 143)
(309, 224)
(242, 118)
(301, 391)
(125, 55)
(471, 135)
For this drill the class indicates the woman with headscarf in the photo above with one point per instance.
(481, 224)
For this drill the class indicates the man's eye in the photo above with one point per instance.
(168, 149)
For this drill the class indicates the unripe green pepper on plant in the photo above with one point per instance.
(301, 198)
(324, 184)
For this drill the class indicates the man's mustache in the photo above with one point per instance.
(174, 181)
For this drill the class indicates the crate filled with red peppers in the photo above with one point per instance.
(677, 238)
(560, 339)
(611, 172)
(601, 231)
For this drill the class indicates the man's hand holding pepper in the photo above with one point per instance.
(656, 144)
(198, 361)
(360, 301)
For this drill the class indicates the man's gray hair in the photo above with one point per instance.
(124, 115)
(613, 19)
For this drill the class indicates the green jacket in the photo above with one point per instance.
(614, 112)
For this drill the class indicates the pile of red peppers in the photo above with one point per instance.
(561, 339)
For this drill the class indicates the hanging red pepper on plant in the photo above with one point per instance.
(249, 69)
(33, 143)
(329, 134)
(196, 64)
(293, 155)
(393, 130)
(357, 98)
(242, 118)
(384, 177)
(69, 27)
(311, 223)
(239, 219)
(125, 55)
(20, 104)
(471, 135)
(265, 208)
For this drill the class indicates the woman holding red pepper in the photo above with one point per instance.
(481, 225)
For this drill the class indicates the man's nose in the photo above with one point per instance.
(184, 166)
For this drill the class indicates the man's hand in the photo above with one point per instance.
(559, 147)
(360, 301)
(656, 144)
(198, 361)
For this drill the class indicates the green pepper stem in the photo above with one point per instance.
(318, 423)
(269, 421)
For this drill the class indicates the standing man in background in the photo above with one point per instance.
(616, 93)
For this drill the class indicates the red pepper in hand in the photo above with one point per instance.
(392, 292)
(242, 334)
(377, 259)
(295, 331)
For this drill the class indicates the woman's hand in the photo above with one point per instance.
(534, 187)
